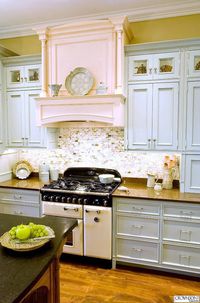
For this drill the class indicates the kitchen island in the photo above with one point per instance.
(32, 276)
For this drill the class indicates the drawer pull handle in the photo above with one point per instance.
(183, 259)
(66, 208)
(137, 226)
(137, 249)
(137, 208)
(17, 196)
(18, 212)
(185, 213)
(185, 235)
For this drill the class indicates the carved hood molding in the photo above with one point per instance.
(95, 45)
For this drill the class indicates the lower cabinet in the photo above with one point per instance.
(20, 202)
(157, 234)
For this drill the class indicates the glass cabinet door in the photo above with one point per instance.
(166, 65)
(14, 76)
(140, 67)
(32, 75)
(194, 63)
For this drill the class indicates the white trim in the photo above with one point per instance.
(25, 59)
(169, 9)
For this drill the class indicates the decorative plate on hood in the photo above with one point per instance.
(79, 82)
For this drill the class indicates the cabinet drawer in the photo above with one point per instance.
(139, 227)
(181, 256)
(182, 210)
(24, 196)
(181, 231)
(20, 210)
(138, 206)
(137, 250)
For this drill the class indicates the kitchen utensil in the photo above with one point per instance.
(151, 179)
(79, 81)
(54, 174)
(22, 169)
(106, 178)
(54, 89)
(158, 186)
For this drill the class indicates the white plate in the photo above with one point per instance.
(79, 82)
(22, 173)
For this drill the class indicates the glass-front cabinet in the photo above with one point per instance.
(23, 76)
(194, 63)
(154, 66)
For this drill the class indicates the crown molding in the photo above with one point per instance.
(167, 10)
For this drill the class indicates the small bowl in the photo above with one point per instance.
(106, 178)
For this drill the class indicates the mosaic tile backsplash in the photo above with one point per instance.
(97, 147)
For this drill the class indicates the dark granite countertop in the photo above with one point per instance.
(20, 270)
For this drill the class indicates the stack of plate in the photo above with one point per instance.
(22, 169)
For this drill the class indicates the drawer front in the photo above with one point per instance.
(139, 250)
(138, 206)
(182, 210)
(20, 210)
(181, 256)
(24, 196)
(140, 227)
(181, 231)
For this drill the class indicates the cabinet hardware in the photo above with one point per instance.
(155, 69)
(137, 226)
(154, 143)
(75, 209)
(184, 213)
(137, 208)
(185, 235)
(25, 78)
(149, 143)
(22, 80)
(185, 258)
(150, 71)
(97, 211)
(137, 249)
(17, 196)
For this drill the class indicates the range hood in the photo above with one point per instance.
(96, 45)
(108, 109)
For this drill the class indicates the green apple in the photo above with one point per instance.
(23, 232)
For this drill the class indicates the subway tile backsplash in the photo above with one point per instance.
(98, 147)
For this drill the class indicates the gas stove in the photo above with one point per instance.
(82, 186)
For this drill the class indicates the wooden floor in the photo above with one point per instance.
(85, 283)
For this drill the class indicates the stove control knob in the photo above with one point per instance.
(57, 199)
(74, 200)
(69, 199)
(96, 202)
(105, 202)
(80, 200)
(85, 201)
(96, 219)
(63, 199)
(51, 198)
(45, 198)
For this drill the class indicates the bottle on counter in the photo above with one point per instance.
(167, 176)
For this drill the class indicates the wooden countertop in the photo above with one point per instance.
(137, 189)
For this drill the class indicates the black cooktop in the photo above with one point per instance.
(84, 179)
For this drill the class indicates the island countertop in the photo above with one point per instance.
(20, 270)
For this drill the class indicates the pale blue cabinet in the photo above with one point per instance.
(21, 117)
(152, 116)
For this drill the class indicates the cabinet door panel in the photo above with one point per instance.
(193, 117)
(140, 116)
(165, 116)
(16, 121)
(192, 180)
(34, 134)
(140, 67)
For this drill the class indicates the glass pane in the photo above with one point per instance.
(69, 240)
(140, 67)
(166, 65)
(197, 63)
(33, 74)
(15, 76)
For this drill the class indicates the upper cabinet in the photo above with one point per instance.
(193, 69)
(23, 76)
(152, 116)
(153, 66)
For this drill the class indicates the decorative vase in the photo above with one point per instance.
(54, 89)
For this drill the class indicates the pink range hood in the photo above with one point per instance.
(96, 45)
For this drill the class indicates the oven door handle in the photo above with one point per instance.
(96, 211)
(75, 209)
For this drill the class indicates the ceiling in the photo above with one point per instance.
(19, 17)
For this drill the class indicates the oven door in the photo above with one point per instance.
(97, 231)
(74, 243)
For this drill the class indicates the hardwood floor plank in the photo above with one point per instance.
(85, 283)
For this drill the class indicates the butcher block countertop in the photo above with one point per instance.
(136, 188)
